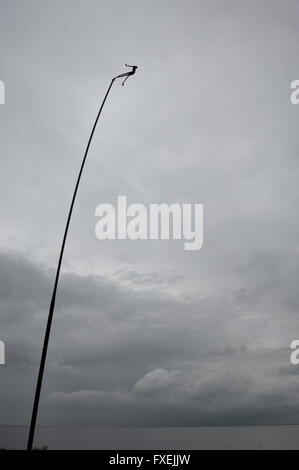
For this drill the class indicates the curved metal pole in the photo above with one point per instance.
(52, 304)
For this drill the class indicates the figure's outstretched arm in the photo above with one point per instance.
(127, 65)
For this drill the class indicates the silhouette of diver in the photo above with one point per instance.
(128, 74)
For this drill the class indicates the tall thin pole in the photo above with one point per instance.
(52, 304)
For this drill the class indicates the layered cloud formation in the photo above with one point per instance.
(123, 354)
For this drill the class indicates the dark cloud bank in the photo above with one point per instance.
(128, 356)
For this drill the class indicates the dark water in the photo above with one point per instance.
(254, 437)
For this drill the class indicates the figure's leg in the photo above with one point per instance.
(125, 80)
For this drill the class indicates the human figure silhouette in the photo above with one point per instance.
(128, 74)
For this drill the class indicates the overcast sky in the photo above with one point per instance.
(145, 332)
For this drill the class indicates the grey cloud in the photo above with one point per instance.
(155, 381)
(165, 360)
